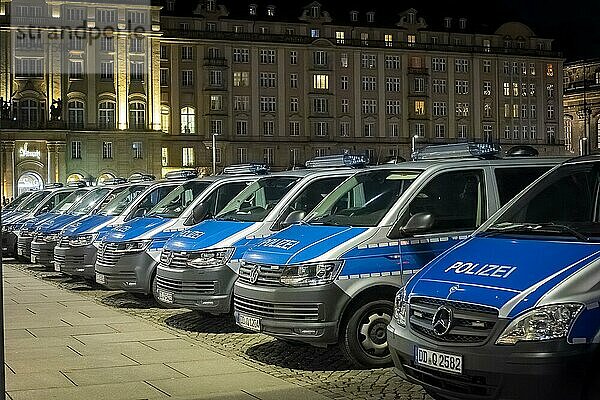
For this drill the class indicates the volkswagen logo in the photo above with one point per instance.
(168, 257)
(254, 274)
(442, 321)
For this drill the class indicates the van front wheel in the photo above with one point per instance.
(364, 335)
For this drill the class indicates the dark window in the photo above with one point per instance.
(226, 193)
(511, 181)
(455, 199)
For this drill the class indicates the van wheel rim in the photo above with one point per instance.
(373, 335)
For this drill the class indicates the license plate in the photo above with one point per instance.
(33, 259)
(165, 297)
(249, 323)
(20, 252)
(100, 279)
(437, 360)
(56, 267)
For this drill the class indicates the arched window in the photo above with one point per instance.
(76, 114)
(30, 113)
(137, 115)
(188, 120)
(106, 114)
(165, 119)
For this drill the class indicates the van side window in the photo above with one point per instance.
(512, 180)
(226, 193)
(455, 199)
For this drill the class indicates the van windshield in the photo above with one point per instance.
(34, 200)
(254, 203)
(173, 205)
(121, 201)
(68, 201)
(364, 199)
(19, 201)
(565, 203)
(89, 202)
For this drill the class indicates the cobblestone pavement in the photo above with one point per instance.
(322, 370)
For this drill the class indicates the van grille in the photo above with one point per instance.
(267, 275)
(173, 259)
(471, 323)
(185, 287)
(107, 255)
(285, 311)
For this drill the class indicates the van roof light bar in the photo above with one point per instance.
(141, 178)
(181, 174)
(339, 160)
(115, 181)
(77, 184)
(251, 168)
(458, 150)
(54, 185)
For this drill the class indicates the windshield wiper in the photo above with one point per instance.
(536, 227)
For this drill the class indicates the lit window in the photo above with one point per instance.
(137, 115)
(388, 39)
(321, 82)
(549, 70)
(188, 157)
(420, 107)
(138, 152)
(339, 37)
(188, 120)
(412, 39)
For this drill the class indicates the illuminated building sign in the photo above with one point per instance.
(24, 152)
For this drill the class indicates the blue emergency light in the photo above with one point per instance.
(339, 160)
(53, 185)
(181, 174)
(458, 150)
(251, 168)
(141, 178)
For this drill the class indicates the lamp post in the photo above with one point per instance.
(214, 153)
(414, 143)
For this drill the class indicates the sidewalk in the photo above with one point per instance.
(60, 345)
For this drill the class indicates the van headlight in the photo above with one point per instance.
(313, 274)
(210, 258)
(400, 308)
(51, 237)
(10, 228)
(542, 323)
(133, 247)
(83, 240)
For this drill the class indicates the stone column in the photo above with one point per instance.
(56, 161)
(9, 189)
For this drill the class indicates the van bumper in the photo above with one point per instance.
(542, 370)
(306, 314)
(76, 261)
(132, 273)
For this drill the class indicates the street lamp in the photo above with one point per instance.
(414, 143)
(214, 153)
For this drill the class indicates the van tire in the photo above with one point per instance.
(363, 336)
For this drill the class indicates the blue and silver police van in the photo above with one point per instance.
(46, 235)
(25, 234)
(38, 203)
(513, 312)
(15, 204)
(128, 254)
(75, 253)
(332, 278)
(199, 266)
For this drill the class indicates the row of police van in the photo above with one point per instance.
(476, 275)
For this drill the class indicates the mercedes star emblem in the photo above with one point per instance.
(442, 321)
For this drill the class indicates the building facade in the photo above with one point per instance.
(582, 107)
(117, 88)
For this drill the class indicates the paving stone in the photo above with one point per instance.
(135, 373)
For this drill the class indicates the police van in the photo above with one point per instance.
(44, 237)
(199, 266)
(332, 278)
(38, 203)
(127, 255)
(513, 312)
(14, 205)
(25, 234)
(75, 253)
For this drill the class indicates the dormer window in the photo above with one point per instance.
(171, 5)
(411, 17)
(315, 11)
(371, 16)
(354, 16)
(210, 5)
(271, 11)
(447, 22)
(462, 23)
(252, 9)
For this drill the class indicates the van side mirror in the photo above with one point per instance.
(292, 218)
(417, 224)
(140, 212)
(200, 212)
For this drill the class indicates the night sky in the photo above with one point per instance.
(574, 24)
